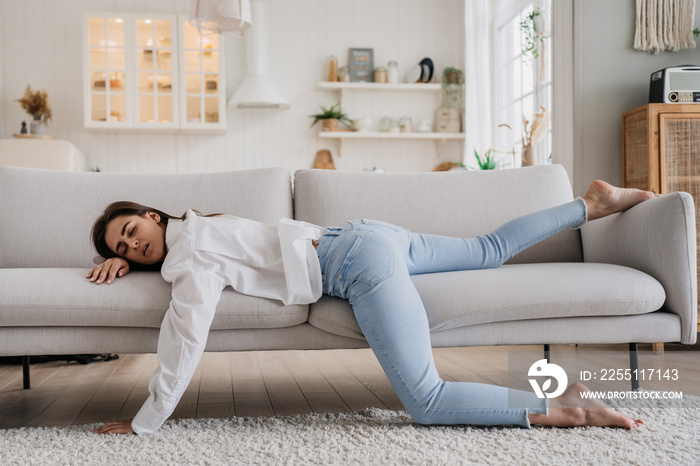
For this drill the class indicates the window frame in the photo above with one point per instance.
(504, 97)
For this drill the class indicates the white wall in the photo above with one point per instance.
(610, 77)
(40, 45)
(1, 74)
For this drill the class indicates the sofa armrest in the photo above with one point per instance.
(656, 237)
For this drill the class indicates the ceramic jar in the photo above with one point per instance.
(380, 75)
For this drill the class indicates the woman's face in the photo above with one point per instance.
(136, 238)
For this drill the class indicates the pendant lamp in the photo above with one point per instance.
(221, 16)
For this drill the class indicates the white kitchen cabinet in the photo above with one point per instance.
(152, 72)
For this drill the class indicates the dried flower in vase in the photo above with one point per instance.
(538, 129)
(36, 103)
(533, 135)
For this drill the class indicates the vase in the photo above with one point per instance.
(528, 156)
(330, 124)
(37, 126)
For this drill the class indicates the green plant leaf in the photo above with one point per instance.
(489, 162)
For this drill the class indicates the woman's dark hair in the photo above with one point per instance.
(121, 208)
(118, 209)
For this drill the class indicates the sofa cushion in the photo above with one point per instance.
(64, 297)
(514, 292)
(460, 204)
(47, 214)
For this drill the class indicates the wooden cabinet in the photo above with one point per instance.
(661, 150)
(152, 72)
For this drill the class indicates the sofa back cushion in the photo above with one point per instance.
(458, 203)
(47, 215)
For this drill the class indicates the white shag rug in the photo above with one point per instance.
(670, 435)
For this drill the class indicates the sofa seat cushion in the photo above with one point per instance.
(514, 292)
(64, 297)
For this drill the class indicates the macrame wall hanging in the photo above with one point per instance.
(664, 25)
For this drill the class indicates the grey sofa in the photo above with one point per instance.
(627, 278)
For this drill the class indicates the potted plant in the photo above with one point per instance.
(330, 116)
(452, 76)
(489, 162)
(533, 33)
(452, 88)
(36, 103)
(448, 118)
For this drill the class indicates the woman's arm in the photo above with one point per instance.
(183, 336)
(109, 270)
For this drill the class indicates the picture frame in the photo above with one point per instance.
(361, 64)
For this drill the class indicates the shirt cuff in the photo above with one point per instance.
(148, 420)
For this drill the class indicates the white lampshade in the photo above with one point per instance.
(221, 16)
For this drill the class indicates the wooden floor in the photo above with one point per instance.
(276, 383)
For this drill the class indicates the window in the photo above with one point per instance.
(523, 82)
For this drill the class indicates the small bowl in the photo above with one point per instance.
(362, 124)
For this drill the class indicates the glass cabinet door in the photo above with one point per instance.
(156, 65)
(204, 93)
(107, 102)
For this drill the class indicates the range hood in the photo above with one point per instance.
(257, 91)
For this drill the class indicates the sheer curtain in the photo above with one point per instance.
(477, 79)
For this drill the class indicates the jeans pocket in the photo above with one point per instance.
(367, 262)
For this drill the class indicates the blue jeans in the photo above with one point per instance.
(369, 263)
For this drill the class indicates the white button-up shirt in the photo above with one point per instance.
(204, 255)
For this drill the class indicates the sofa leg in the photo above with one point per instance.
(634, 366)
(25, 372)
(546, 353)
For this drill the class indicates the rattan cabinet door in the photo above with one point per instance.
(679, 146)
(638, 150)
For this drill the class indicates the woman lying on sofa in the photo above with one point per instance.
(369, 263)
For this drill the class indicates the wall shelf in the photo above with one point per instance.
(382, 135)
(338, 86)
(341, 136)
(343, 87)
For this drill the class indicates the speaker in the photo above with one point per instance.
(675, 85)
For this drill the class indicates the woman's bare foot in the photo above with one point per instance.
(571, 409)
(603, 199)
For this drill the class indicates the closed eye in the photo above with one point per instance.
(129, 235)
(121, 247)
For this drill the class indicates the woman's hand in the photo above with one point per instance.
(109, 270)
(116, 427)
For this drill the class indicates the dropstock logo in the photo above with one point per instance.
(542, 368)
